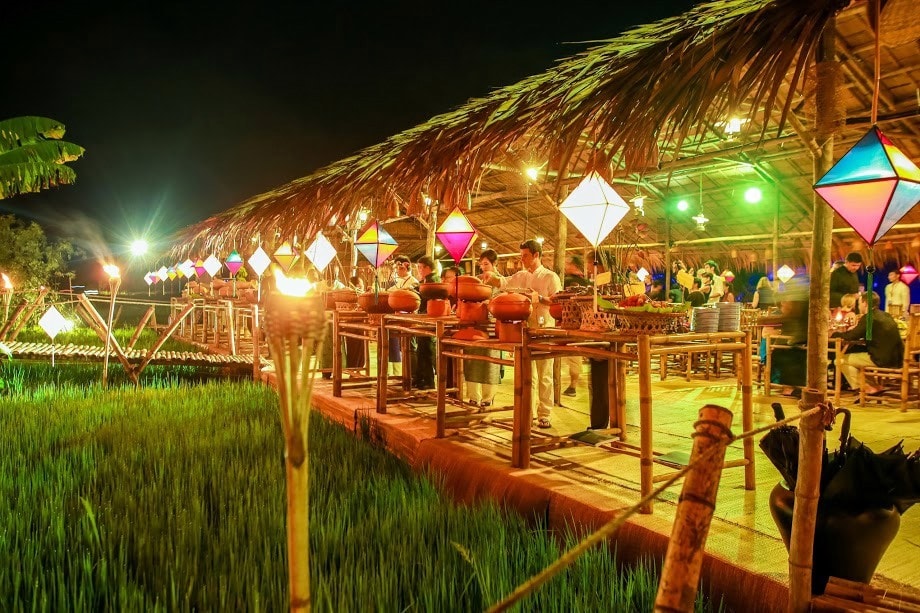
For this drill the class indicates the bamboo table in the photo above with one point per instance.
(356, 325)
(407, 325)
(555, 342)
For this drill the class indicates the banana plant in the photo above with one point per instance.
(33, 157)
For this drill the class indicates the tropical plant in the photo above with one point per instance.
(33, 157)
(26, 254)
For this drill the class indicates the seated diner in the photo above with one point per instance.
(885, 349)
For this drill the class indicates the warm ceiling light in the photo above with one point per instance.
(532, 173)
(701, 221)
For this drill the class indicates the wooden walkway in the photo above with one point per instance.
(88, 353)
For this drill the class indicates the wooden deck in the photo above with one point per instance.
(88, 353)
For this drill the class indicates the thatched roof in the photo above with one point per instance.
(648, 109)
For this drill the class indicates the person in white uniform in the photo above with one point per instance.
(897, 293)
(543, 283)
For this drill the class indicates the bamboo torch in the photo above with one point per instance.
(295, 325)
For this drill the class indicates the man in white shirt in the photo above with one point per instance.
(718, 283)
(897, 293)
(543, 283)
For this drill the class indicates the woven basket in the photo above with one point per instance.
(571, 315)
(646, 322)
(346, 306)
(597, 321)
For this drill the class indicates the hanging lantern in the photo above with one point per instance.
(285, 256)
(872, 186)
(456, 234)
(163, 273)
(642, 274)
(376, 244)
(148, 278)
(212, 265)
(259, 261)
(594, 208)
(171, 273)
(728, 276)
(320, 252)
(234, 262)
(178, 269)
(908, 273)
(785, 273)
(200, 270)
(187, 267)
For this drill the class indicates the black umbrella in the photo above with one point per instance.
(781, 446)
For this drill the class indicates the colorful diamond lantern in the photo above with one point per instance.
(154, 277)
(872, 186)
(728, 275)
(456, 234)
(178, 269)
(376, 244)
(234, 262)
(259, 261)
(187, 267)
(594, 208)
(320, 252)
(163, 273)
(171, 273)
(200, 270)
(908, 274)
(285, 256)
(785, 273)
(149, 278)
(212, 265)
(52, 322)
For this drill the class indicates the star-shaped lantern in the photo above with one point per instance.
(376, 244)
(456, 234)
(594, 208)
(872, 187)
(234, 262)
(285, 256)
(320, 252)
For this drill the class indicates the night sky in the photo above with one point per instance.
(188, 109)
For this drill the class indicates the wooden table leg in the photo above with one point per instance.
(383, 358)
(747, 411)
(442, 362)
(336, 357)
(621, 391)
(520, 434)
(613, 398)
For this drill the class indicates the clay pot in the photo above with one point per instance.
(473, 311)
(509, 331)
(473, 292)
(510, 307)
(381, 305)
(434, 291)
(555, 311)
(848, 544)
(438, 307)
(470, 334)
(404, 301)
(340, 295)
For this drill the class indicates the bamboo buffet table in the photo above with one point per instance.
(406, 325)
(356, 325)
(622, 348)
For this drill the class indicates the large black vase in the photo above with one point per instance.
(847, 545)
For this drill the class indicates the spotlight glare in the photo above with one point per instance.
(139, 247)
(753, 195)
(683, 205)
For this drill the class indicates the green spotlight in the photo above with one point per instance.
(682, 205)
(753, 195)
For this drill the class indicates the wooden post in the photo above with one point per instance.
(383, 363)
(11, 320)
(681, 571)
(645, 417)
(256, 344)
(163, 337)
(442, 366)
(747, 412)
(31, 309)
(140, 326)
(520, 429)
(336, 354)
(811, 429)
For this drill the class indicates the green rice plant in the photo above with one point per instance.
(170, 497)
(82, 335)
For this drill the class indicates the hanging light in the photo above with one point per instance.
(701, 219)
(234, 262)
(259, 261)
(728, 275)
(785, 273)
(376, 244)
(594, 208)
(285, 256)
(188, 268)
(162, 273)
(171, 273)
(212, 265)
(320, 252)
(638, 203)
(643, 274)
(456, 234)
(908, 273)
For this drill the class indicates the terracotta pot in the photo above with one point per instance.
(848, 545)
(555, 310)
(510, 307)
(471, 334)
(473, 311)
(434, 291)
(381, 305)
(340, 295)
(404, 300)
(438, 307)
(474, 292)
(509, 331)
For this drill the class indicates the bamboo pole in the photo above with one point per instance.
(164, 336)
(681, 571)
(140, 326)
(256, 344)
(645, 418)
(811, 429)
(520, 437)
(31, 309)
(11, 320)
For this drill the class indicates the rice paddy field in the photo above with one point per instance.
(171, 497)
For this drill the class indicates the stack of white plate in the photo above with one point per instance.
(704, 319)
(729, 316)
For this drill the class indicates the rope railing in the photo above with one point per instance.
(611, 527)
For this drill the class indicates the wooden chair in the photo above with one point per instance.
(908, 375)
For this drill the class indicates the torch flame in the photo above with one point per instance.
(291, 286)
(112, 270)
(7, 284)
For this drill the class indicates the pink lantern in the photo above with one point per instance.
(908, 273)
(234, 262)
(456, 234)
